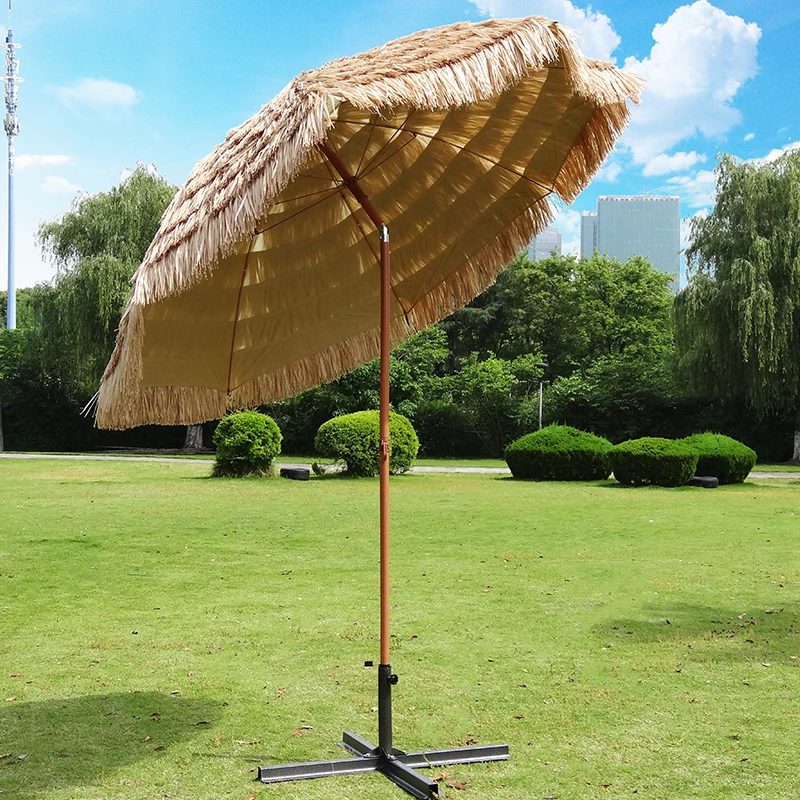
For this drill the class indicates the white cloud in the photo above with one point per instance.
(596, 35)
(150, 169)
(55, 184)
(686, 231)
(700, 59)
(697, 190)
(686, 226)
(749, 137)
(25, 160)
(778, 152)
(568, 223)
(610, 171)
(662, 163)
(99, 94)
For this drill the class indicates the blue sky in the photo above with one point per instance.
(109, 84)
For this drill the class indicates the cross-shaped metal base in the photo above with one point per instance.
(398, 767)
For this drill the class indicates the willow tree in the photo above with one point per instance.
(95, 247)
(738, 320)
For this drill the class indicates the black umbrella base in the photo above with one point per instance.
(398, 766)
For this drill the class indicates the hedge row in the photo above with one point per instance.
(559, 453)
(562, 453)
(723, 457)
(661, 462)
(248, 442)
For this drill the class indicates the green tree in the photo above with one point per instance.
(624, 308)
(484, 388)
(40, 411)
(95, 247)
(531, 307)
(737, 322)
(415, 375)
(572, 312)
(10, 348)
(9, 361)
(498, 397)
(541, 311)
(25, 309)
(619, 397)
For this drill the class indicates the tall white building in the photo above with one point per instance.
(627, 226)
(588, 233)
(543, 245)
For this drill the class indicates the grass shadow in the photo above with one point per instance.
(67, 743)
(732, 634)
(547, 482)
(643, 487)
(748, 485)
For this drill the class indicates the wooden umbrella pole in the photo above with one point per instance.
(385, 677)
(384, 440)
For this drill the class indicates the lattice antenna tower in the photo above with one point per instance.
(11, 124)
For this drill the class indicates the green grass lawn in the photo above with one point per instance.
(163, 633)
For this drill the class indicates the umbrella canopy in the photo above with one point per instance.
(263, 278)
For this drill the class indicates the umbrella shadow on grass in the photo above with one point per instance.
(766, 630)
(71, 742)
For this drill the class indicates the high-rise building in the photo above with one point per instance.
(645, 226)
(543, 245)
(588, 233)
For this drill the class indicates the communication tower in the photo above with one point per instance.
(11, 124)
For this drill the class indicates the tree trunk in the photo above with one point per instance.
(194, 438)
(796, 453)
(2, 442)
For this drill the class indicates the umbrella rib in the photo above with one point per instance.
(317, 193)
(366, 147)
(461, 149)
(352, 215)
(343, 192)
(377, 165)
(333, 192)
(395, 133)
(236, 320)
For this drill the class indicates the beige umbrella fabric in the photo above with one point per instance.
(263, 278)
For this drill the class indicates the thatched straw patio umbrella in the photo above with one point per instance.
(270, 272)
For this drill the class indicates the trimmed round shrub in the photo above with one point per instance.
(355, 440)
(724, 458)
(247, 443)
(661, 462)
(559, 453)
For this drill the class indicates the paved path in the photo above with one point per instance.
(278, 465)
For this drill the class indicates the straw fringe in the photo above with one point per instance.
(189, 405)
(590, 150)
(228, 192)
